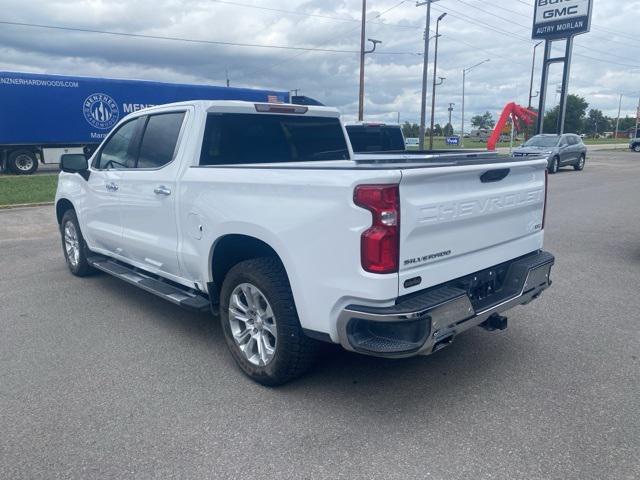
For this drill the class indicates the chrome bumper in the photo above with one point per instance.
(437, 315)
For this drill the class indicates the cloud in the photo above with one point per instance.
(473, 30)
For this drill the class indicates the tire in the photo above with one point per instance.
(286, 352)
(73, 245)
(578, 167)
(636, 147)
(22, 162)
(554, 166)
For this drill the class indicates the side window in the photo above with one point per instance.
(160, 139)
(564, 142)
(121, 150)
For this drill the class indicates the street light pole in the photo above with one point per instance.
(464, 78)
(533, 68)
(618, 119)
(425, 65)
(435, 70)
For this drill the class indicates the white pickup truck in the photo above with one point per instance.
(261, 212)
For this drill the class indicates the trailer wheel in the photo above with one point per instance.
(22, 162)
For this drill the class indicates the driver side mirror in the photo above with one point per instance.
(74, 163)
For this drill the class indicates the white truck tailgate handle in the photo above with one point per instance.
(495, 175)
(162, 190)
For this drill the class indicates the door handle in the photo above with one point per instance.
(111, 187)
(162, 190)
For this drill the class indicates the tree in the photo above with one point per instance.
(410, 130)
(483, 121)
(447, 131)
(574, 119)
(596, 123)
(437, 130)
(627, 123)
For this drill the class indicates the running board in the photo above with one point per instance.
(176, 294)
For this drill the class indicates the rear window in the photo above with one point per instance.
(374, 138)
(231, 139)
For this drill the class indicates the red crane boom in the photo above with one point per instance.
(518, 114)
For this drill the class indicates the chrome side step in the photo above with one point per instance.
(182, 296)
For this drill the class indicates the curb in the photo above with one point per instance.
(25, 205)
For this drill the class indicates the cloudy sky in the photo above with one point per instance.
(606, 61)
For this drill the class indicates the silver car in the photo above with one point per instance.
(560, 150)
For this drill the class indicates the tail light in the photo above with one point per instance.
(380, 243)
(546, 189)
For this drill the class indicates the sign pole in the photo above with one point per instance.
(562, 114)
(558, 20)
(543, 87)
(513, 121)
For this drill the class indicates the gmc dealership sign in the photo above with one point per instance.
(556, 19)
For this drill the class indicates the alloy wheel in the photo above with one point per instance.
(253, 324)
(71, 243)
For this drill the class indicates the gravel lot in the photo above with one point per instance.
(99, 380)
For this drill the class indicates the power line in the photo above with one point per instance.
(528, 16)
(313, 15)
(188, 40)
(514, 35)
(525, 27)
(329, 40)
(597, 27)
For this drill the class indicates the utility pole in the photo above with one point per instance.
(435, 70)
(635, 134)
(363, 52)
(615, 137)
(533, 68)
(425, 66)
(450, 112)
(464, 78)
(226, 72)
(362, 41)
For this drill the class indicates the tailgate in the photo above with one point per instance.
(457, 220)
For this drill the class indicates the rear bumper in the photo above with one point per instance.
(422, 323)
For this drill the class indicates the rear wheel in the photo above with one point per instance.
(73, 245)
(261, 325)
(580, 165)
(636, 147)
(22, 162)
(554, 166)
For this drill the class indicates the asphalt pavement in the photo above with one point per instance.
(101, 380)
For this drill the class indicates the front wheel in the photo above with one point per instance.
(73, 245)
(261, 325)
(636, 147)
(580, 165)
(554, 166)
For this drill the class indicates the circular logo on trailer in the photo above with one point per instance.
(101, 111)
